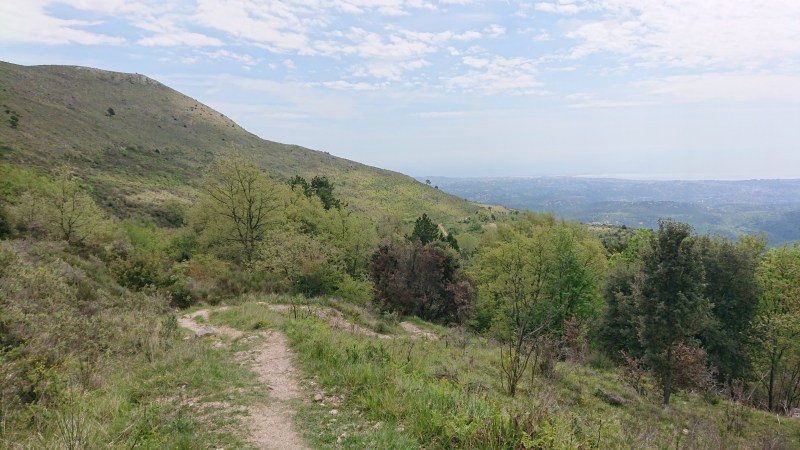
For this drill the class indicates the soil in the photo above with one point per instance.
(271, 426)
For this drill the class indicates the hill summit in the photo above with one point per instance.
(137, 141)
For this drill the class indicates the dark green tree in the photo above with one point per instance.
(451, 240)
(323, 188)
(299, 182)
(671, 302)
(423, 280)
(731, 287)
(320, 187)
(618, 330)
(426, 231)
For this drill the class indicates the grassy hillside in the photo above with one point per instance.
(157, 141)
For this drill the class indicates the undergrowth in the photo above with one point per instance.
(87, 364)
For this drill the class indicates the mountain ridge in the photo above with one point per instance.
(129, 134)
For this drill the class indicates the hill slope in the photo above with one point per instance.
(157, 141)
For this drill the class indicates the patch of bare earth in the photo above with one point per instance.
(188, 321)
(271, 425)
(418, 332)
(337, 320)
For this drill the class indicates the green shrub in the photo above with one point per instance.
(316, 280)
(238, 282)
(138, 272)
(355, 291)
(6, 227)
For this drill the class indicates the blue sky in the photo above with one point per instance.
(629, 88)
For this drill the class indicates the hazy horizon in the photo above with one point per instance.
(625, 177)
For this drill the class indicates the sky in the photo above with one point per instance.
(651, 89)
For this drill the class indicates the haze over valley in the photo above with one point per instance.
(729, 208)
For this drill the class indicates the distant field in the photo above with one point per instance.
(726, 207)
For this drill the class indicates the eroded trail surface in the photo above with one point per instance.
(270, 425)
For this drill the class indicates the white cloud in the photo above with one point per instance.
(562, 7)
(174, 38)
(27, 22)
(692, 34)
(494, 30)
(472, 61)
(367, 44)
(390, 70)
(277, 26)
(495, 74)
(245, 59)
(348, 86)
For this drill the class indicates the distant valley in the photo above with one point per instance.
(725, 207)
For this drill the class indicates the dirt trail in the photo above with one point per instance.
(418, 332)
(271, 425)
(337, 320)
(187, 321)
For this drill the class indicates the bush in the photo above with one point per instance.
(316, 280)
(5, 223)
(355, 291)
(138, 272)
(238, 282)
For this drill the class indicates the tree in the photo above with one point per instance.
(529, 281)
(243, 202)
(425, 230)
(731, 287)
(671, 305)
(305, 263)
(72, 213)
(323, 188)
(777, 323)
(299, 182)
(355, 237)
(619, 331)
(320, 187)
(423, 280)
(512, 275)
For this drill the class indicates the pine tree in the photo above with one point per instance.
(425, 230)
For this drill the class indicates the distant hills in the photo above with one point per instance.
(139, 142)
(727, 207)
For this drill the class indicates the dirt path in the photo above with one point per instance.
(418, 332)
(270, 425)
(188, 321)
(337, 320)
